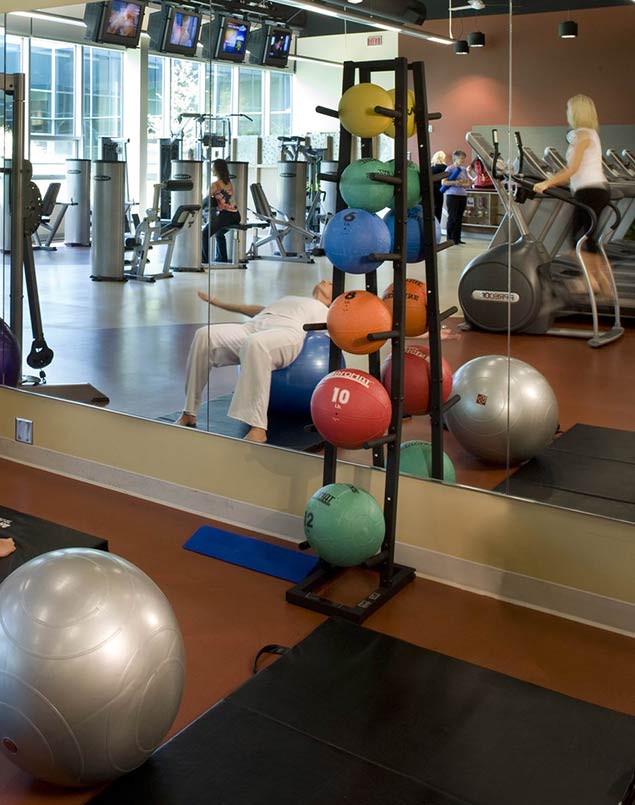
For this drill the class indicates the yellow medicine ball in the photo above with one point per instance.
(390, 131)
(357, 110)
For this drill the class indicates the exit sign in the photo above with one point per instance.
(373, 41)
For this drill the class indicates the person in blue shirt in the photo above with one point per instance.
(456, 195)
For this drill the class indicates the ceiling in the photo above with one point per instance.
(415, 12)
(405, 10)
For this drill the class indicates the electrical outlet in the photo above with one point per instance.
(23, 430)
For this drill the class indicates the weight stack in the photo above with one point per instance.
(77, 218)
(239, 174)
(328, 205)
(107, 250)
(187, 247)
(292, 201)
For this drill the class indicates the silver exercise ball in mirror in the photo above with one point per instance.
(480, 422)
(91, 666)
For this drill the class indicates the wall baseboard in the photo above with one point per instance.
(516, 588)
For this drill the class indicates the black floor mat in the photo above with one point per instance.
(76, 392)
(588, 468)
(353, 716)
(283, 431)
(607, 443)
(34, 536)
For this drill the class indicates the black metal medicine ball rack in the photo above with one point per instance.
(386, 450)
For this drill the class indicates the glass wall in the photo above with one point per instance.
(79, 91)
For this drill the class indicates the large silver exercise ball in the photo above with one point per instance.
(91, 666)
(489, 412)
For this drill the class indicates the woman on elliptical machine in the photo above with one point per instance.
(585, 174)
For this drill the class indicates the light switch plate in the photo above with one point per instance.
(23, 430)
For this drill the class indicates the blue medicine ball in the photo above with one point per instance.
(292, 387)
(414, 231)
(10, 358)
(351, 235)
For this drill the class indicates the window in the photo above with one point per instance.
(186, 95)
(221, 84)
(52, 89)
(250, 102)
(11, 55)
(279, 103)
(156, 95)
(102, 70)
(158, 117)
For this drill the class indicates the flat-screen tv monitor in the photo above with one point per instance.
(232, 40)
(277, 47)
(115, 22)
(181, 32)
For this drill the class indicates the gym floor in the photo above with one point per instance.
(131, 340)
(227, 613)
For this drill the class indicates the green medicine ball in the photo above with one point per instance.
(359, 190)
(344, 524)
(416, 459)
(413, 183)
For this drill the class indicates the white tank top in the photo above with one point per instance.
(590, 173)
(294, 311)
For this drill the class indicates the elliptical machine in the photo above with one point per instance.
(512, 286)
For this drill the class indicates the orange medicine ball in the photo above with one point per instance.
(416, 306)
(355, 314)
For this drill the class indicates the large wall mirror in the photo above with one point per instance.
(129, 106)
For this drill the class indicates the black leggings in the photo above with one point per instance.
(456, 207)
(597, 198)
(217, 226)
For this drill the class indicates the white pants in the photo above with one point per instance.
(259, 346)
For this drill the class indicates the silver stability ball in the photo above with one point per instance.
(487, 414)
(91, 666)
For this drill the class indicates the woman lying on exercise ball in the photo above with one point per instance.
(585, 174)
(223, 212)
(272, 339)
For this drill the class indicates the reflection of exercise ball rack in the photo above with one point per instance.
(393, 577)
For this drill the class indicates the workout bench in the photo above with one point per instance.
(49, 202)
(279, 227)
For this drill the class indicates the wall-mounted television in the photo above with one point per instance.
(232, 40)
(181, 31)
(115, 22)
(277, 47)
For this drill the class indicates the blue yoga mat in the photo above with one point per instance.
(254, 554)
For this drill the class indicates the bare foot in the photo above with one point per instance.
(256, 435)
(187, 420)
(7, 546)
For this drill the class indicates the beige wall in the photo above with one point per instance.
(580, 551)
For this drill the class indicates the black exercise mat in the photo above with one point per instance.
(283, 431)
(34, 536)
(571, 472)
(589, 440)
(76, 392)
(588, 468)
(232, 756)
(616, 509)
(462, 733)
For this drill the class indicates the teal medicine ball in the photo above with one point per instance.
(344, 524)
(359, 190)
(416, 459)
(413, 180)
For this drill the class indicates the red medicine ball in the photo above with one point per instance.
(416, 382)
(349, 407)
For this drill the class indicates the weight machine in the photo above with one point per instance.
(25, 204)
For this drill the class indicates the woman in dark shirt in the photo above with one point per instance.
(223, 212)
